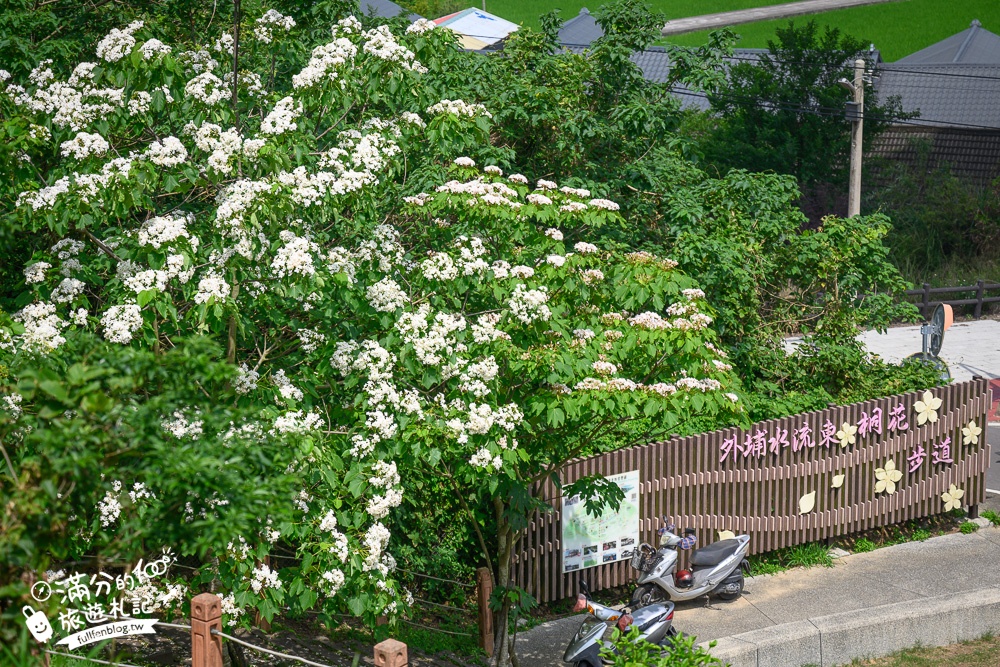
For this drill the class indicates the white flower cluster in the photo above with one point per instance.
(84, 145)
(212, 286)
(67, 290)
(12, 403)
(42, 327)
(246, 379)
(223, 145)
(263, 578)
(282, 117)
(310, 340)
(295, 257)
(386, 296)
(181, 427)
(35, 273)
(325, 62)
(386, 478)
(73, 103)
(420, 26)
(168, 153)
(382, 44)
(605, 204)
(433, 342)
(285, 387)
(485, 330)
(264, 30)
(121, 322)
(153, 48)
(528, 305)
(230, 609)
(110, 508)
(477, 376)
(458, 108)
(163, 230)
(118, 43)
(297, 422)
(206, 88)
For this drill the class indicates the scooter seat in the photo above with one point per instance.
(714, 553)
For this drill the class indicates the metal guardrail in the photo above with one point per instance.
(980, 288)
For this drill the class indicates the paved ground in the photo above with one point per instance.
(970, 348)
(902, 573)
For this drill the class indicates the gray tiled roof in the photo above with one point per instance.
(974, 45)
(384, 9)
(969, 154)
(945, 94)
(581, 30)
(655, 65)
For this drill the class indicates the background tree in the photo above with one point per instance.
(785, 112)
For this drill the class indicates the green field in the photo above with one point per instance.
(896, 28)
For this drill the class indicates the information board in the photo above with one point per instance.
(588, 541)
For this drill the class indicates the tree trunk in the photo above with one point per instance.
(503, 641)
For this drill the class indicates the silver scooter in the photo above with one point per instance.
(655, 623)
(716, 569)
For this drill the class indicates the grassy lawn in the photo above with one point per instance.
(983, 652)
(896, 28)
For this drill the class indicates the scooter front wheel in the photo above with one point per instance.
(647, 594)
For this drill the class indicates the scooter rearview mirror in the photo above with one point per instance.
(585, 588)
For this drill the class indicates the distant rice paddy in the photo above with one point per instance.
(896, 28)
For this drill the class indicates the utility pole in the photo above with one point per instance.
(855, 113)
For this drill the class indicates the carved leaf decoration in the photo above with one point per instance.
(726, 535)
(838, 481)
(807, 503)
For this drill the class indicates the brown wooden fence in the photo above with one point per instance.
(751, 480)
(979, 289)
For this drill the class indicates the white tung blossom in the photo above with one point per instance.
(386, 296)
(282, 117)
(168, 153)
(121, 322)
(212, 286)
(295, 257)
(528, 305)
(266, 24)
(206, 88)
(42, 327)
(118, 43)
(35, 273)
(84, 145)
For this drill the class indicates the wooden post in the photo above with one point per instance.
(979, 299)
(484, 589)
(927, 299)
(206, 615)
(391, 653)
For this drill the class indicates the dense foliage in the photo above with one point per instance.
(785, 112)
(281, 314)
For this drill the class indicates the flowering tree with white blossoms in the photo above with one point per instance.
(470, 331)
